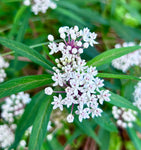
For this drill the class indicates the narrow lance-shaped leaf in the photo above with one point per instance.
(104, 137)
(28, 117)
(76, 133)
(17, 21)
(86, 128)
(109, 55)
(24, 25)
(40, 124)
(105, 122)
(25, 51)
(133, 135)
(23, 84)
(121, 102)
(117, 76)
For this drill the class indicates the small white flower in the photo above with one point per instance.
(53, 48)
(96, 112)
(50, 37)
(86, 45)
(83, 113)
(104, 95)
(58, 79)
(49, 137)
(26, 2)
(23, 143)
(48, 91)
(49, 127)
(62, 36)
(57, 102)
(70, 118)
(74, 50)
(98, 83)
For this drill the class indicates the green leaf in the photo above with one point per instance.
(117, 76)
(23, 84)
(109, 55)
(25, 51)
(105, 122)
(104, 137)
(124, 31)
(54, 144)
(23, 26)
(86, 128)
(66, 13)
(17, 21)
(127, 89)
(121, 102)
(87, 14)
(133, 135)
(76, 133)
(28, 117)
(40, 124)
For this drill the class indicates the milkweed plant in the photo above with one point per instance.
(63, 83)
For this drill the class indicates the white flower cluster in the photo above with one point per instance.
(14, 106)
(6, 136)
(126, 61)
(125, 117)
(137, 96)
(12, 109)
(40, 5)
(82, 88)
(3, 65)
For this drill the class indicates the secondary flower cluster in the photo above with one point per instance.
(82, 89)
(125, 62)
(12, 109)
(3, 65)
(14, 106)
(125, 117)
(6, 136)
(40, 5)
(137, 95)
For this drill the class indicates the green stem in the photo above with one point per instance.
(8, 53)
(41, 44)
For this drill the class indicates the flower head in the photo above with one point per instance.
(125, 117)
(82, 88)
(40, 5)
(126, 61)
(14, 106)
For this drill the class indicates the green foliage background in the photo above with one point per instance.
(24, 35)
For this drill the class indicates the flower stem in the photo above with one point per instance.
(59, 91)
(8, 53)
(72, 108)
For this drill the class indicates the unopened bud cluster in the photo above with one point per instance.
(3, 65)
(81, 86)
(126, 61)
(137, 96)
(12, 110)
(125, 117)
(40, 5)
